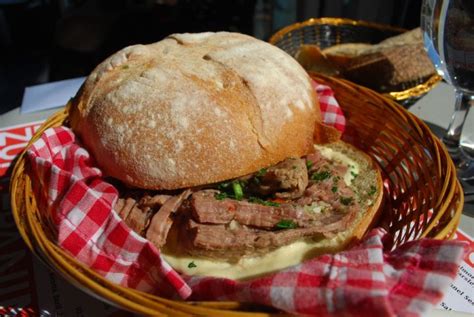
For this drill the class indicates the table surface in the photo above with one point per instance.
(435, 109)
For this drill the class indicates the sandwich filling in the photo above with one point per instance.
(258, 223)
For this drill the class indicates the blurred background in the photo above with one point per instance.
(43, 41)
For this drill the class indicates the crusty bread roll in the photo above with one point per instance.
(195, 109)
(240, 116)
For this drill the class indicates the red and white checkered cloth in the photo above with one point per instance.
(330, 110)
(366, 279)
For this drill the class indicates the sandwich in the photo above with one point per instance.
(216, 144)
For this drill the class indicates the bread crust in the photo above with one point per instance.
(372, 212)
(195, 109)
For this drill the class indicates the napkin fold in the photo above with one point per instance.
(367, 279)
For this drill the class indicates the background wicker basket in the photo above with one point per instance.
(422, 197)
(325, 32)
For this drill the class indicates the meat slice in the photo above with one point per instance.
(161, 221)
(317, 163)
(155, 201)
(137, 219)
(287, 179)
(329, 192)
(220, 241)
(132, 214)
(207, 209)
(123, 206)
(312, 160)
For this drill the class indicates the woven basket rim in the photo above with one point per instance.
(332, 21)
(412, 92)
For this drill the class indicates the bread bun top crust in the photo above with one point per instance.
(195, 109)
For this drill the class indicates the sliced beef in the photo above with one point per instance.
(154, 201)
(212, 230)
(321, 191)
(333, 192)
(207, 209)
(317, 163)
(220, 241)
(287, 179)
(162, 220)
(312, 160)
(123, 206)
(134, 216)
(214, 225)
(138, 219)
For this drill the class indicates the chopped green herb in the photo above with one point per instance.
(294, 167)
(256, 200)
(260, 201)
(243, 182)
(125, 66)
(320, 176)
(354, 174)
(221, 196)
(346, 200)
(372, 190)
(223, 186)
(261, 172)
(271, 203)
(286, 224)
(334, 189)
(309, 164)
(238, 191)
(191, 265)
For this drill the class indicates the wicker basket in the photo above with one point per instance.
(422, 198)
(325, 32)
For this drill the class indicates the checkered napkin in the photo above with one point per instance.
(78, 203)
(330, 110)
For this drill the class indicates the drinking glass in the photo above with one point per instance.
(448, 33)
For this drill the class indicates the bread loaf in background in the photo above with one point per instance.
(342, 54)
(392, 62)
(389, 67)
(384, 66)
(313, 59)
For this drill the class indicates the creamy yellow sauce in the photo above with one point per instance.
(275, 260)
(353, 166)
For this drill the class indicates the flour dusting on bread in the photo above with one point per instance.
(219, 88)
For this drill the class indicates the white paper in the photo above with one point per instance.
(50, 95)
(460, 296)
